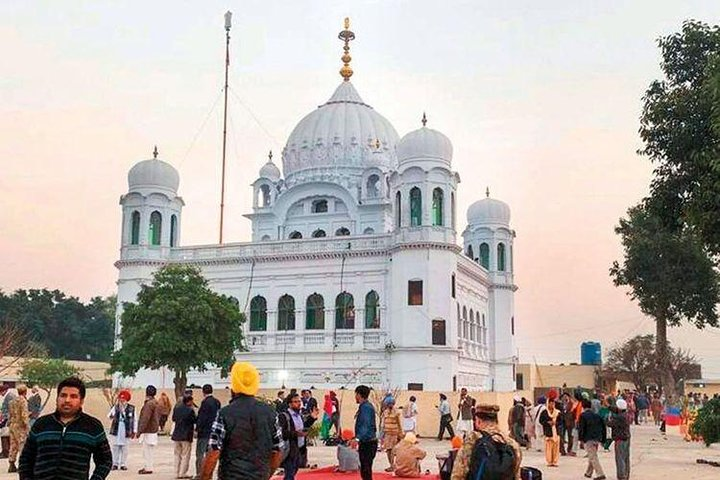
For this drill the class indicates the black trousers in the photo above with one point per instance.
(366, 452)
(446, 423)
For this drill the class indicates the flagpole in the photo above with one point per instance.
(228, 24)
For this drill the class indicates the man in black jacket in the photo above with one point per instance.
(184, 419)
(592, 432)
(60, 444)
(294, 430)
(206, 416)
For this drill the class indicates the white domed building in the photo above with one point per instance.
(353, 273)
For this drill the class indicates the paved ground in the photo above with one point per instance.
(653, 457)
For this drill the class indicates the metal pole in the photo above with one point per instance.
(228, 16)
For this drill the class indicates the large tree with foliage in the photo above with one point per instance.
(46, 374)
(178, 323)
(672, 239)
(680, 127)
(670, 276)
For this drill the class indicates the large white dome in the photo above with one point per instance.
(425, 144)
(488, 211)
(344, 133)
(153, 175)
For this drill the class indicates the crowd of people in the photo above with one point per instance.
(254, 438)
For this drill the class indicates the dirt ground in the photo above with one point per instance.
(653, 457)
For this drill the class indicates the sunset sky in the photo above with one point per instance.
(540, 99)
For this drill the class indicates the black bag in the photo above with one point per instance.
(530, 473)
(491, 460)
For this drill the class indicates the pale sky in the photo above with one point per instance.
(540, 99)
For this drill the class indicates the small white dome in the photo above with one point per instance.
(425, 144)
(271, 171)
(153, 174)
(488, 210)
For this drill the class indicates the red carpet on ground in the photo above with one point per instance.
(329, 472)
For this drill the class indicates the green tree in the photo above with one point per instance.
(178, 323)
(46, 374)
(680, 127)
(669, 274)
(707, 423)
(63, 325)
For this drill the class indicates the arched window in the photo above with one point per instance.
(258, 314)
(438, 332)
(437, 207)
(372, 310)
(469, 252)
(373, 183)
(459, 322)
(319, 206)
(485, 255)
(173, 231)
(155, 231)
(415, 207)
(484, 331)
(342, 232)
(452, 209)
(478, 327)
(295, 235)
(368, 231)
(315, 312)
(319, 233)
(398, 210)
(286, 313)
(465, 323)
(264, 195)
(265, 238)
(135, 228)
(344, 311)
(501, 257)
(472, 325)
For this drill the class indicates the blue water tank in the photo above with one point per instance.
(590, 353)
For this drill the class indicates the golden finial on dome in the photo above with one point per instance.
(346, 36)
(155, 152)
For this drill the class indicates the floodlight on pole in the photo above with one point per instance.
(228, 25)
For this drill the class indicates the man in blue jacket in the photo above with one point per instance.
(365, 431)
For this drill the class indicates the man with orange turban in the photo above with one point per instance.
(549, 421)
(245, 437)
(122, 429)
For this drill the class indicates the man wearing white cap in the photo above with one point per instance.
(620, 431)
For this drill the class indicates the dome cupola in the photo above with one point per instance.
(425, 144)
(270, 170)
(153, 175)
(488, 211)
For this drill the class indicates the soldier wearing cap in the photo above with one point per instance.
(485, 421)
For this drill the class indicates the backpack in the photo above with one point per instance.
(290, 427)
(491, 460)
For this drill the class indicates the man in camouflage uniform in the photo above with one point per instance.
(19, 425)
(484, 420)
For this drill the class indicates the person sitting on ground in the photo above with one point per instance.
(471, 458)
(347, 453)
(408, 455)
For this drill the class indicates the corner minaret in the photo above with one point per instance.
(488, 240)
(151, 210)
